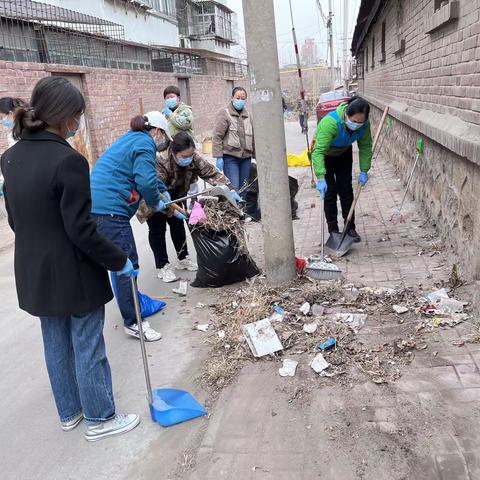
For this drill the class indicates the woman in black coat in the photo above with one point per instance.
(61, 261)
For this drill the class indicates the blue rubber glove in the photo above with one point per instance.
(160, 206)
(128, 270)
(166, 196)
(236, 196)
(167, 112)
(363, 178)
(179, 215)
(322, 188)
(219, 163)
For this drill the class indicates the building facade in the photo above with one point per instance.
(422, 59)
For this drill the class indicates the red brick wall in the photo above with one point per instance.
(113, 96)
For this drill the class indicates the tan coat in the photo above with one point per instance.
(178, 180)
(233, 133)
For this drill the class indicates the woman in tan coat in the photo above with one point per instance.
(233, 143)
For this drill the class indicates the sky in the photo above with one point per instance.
(308, 24)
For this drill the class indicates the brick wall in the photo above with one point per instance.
(113, 96)
(433, 90)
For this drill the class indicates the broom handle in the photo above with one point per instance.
(323, 228)
(138, 314)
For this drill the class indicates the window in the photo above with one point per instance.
(373, 52)
(365, 61)
(439, 3)
(230, 87)
(384, 51)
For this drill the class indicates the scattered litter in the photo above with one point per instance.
(310, 327)
(221, 334)
(200, 305)
(318, 310)
(400, 309)
(288, 369)
(447, 321)
(379, 291)
(182, 288)
(278, 314)
(319, 364)
(355, 321)
(328, 344)
(203, 327)
(305, 308)
(402, 345)
(434, 297)
(262, 338)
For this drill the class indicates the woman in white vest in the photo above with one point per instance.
(233, 142)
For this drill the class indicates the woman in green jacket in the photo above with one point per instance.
(332, 158)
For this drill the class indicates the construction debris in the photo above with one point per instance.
(203, 327)
(289, 368)
(305, 308)
(318, 310)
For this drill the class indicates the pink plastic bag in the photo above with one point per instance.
(197, 215)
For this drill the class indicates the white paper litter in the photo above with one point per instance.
(288, 369)
(181, 289)
(355, 321)
(305, 308)
(262, 338)
(400, 309)
(200, 305)
(310, 327)
(221, 333)
(434, 297)
(319, 364)
(203, 327)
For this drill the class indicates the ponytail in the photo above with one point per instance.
(10, 104)
(25, 118)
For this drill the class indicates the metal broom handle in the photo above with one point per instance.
(322, 206)
(138, 314)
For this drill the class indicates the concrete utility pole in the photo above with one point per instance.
(345, 44)
(271, 153)
(330, 41)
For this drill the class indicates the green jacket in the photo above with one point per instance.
(181, 120)
(327, 131)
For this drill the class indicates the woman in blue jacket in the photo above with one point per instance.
(123, 175)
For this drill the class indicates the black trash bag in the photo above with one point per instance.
(219, 259)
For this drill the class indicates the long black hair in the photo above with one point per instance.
(54, 100)
(180, 142)
(358, 105)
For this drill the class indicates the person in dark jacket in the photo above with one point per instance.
(178, 170)
(61, 260)
(123, 175)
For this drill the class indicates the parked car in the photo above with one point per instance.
(329, 101)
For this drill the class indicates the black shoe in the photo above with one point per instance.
(353, 233)
(333, 228)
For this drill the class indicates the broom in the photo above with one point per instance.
(318, 268)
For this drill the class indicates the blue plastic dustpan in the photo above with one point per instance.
(171, 406)
(168, 406)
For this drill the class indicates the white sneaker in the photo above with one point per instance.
(149, 334)
(115, 426)
(71, 424)
(186, 264)
(167, 274)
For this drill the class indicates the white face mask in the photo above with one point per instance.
(353, 125)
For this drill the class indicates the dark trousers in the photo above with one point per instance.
(157, 229)
(339, 184)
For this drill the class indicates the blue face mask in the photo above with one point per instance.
(184, 162)
(239, 104)
(7, 123)
(171, 102)
(353, 125)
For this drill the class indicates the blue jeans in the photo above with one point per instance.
(77, 365)
(118, 230)
(237, 170)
